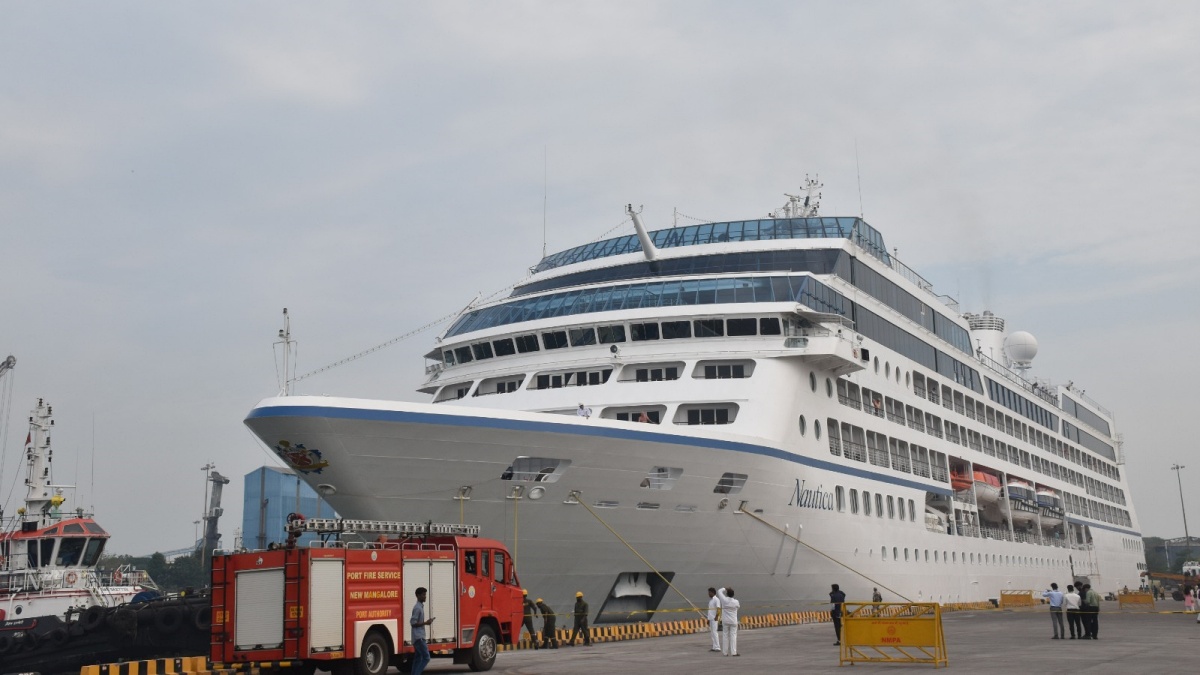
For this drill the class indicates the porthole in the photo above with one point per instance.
(883, 552)
(817, 429)
(803, 425)
(876, 365)
(812, 381)
(907, 378)
(895, 553)
(829, 387)
(906, 555)
(887, 369)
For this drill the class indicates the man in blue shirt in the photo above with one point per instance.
(1056, 611)
(418, 623)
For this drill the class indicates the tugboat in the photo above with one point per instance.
(49, 558)
(58, 609)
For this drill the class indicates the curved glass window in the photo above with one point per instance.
(803, 289)
(823, 261)
(715, 233)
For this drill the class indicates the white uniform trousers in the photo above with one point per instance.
(730, 646)
(715, 633)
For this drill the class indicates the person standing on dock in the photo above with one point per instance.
(418, 623)
(1091, 613)
(549, 639)
(1056, 611)
(729, 619)
(714, 623)
(530, 611)
(1071, 601)
(581, 620)
(838, 598)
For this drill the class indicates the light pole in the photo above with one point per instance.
(1187, 538)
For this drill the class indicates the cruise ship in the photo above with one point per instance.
(772, 405)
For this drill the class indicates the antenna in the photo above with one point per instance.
(285, 338)
(858, 172)
(545, 193)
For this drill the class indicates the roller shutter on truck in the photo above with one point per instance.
(326, 605)
(259, 611)
(440, 577)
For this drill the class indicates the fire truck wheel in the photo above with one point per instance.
(483, 654)
(374, 657)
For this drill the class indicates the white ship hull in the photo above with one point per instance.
(408, 461)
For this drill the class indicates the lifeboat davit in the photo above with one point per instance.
(987, 487)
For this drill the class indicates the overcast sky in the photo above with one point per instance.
(173, 174)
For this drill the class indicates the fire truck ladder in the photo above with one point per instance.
(327, 526)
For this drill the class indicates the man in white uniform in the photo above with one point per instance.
(729, 618)
(714, 606)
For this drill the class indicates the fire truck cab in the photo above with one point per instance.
(343, 602)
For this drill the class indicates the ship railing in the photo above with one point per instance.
(958, 408)
(921, 468)
(916, 424)
(434, 368)
(953, 438)
(996, 533)
(971, 413)
(835, 445)
(856, 451)
(933, 396)
(933, 431)
(1024, 537)
(919, 390)
(900, 463)
(940, 473)
(876, 410)
(966, 496)
(894, 417)
(879, 457)
(849, 401)
(966, 530)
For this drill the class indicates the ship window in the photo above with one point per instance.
(504, 347)
(709, 328)
(611, 334)
(555, 339)
(70, 551)
(829, 387)
(866, 502)
(723, 371)
(878, 505)
(653, 414)
(708, 416)
(900, 505)
(448, 357)
(730, 483)
(582, 337)
(648, 506)
(839, 494)
(482, 351)
(741, 327)
(606, 504)
(643, 331)
(527, 343)
(853, 500)
(672, 330)
(803, 425)
(661, 478)
(769, 326)
(912, 510)
(47, 552)
(72, 528)
(91, 556)
(817, 429)
(883, 552)
(536, 469)
(463, 354)
(891, 508)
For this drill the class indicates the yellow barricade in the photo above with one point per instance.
(1016, 599)
(1135, 599)
(893, 632)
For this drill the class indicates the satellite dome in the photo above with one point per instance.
(1020, 347)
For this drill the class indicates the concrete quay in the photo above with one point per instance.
(1132, 642)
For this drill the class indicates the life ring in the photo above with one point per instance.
(117, 577)
(72, 578)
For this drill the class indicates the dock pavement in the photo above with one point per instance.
(1132, 642)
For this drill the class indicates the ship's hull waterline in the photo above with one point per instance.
(417, 462)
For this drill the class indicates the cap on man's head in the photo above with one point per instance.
(524, 592)
(538, 600)
(579, 594)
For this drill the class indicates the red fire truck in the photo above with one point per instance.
(343, 602)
